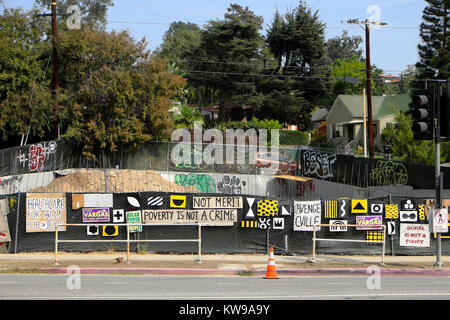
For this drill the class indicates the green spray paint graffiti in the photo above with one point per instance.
(389, 173)
(202, 182)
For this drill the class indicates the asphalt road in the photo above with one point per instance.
(123, 287)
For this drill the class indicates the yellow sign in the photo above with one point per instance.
(110, 231)
(391, 211)
(359, 206)
(177, 201)
(249, 224)
(267, 208)
(331, 209)
(374, 236)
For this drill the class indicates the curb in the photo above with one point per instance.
(240, 272)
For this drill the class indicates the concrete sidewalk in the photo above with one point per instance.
(220, 264)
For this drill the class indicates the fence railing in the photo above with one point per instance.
(128, 240)
(383, 242)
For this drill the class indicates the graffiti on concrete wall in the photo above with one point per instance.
(227, 184)
(202, 182)
(389, 173)
(316, 164)
(230, 185)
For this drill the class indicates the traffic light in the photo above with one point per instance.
(423, 103)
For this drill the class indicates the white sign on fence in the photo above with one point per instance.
(306, 215)
(414, 235)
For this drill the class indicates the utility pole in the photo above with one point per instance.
(55, 86)
(55, 71)
(367, 24)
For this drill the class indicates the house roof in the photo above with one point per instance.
(347, 107)
(319, 115)
(392, 104)
(211, 108)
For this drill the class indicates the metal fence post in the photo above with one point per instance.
(128, 243)
(314, 245)
(199, 243)
(56, 246)
(384, 244)
(17, 222)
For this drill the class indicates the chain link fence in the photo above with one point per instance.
(149, 175)
(252, 231)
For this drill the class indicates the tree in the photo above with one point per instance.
(296, 39)
(275, 39)
(179, 41)
(434, 50)
(404, 147)
(343, 47)
(227, 59)
(112, 93)
(94, 12)
(348, 67)
(25, 107)
(187, 117)
(304, 42)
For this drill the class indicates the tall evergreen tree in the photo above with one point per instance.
(434, 50)
(227, 56)
(296, 39)
(179, 41)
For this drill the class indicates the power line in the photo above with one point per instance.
(288, 67)
(290, 76)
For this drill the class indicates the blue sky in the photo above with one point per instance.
(392, 47)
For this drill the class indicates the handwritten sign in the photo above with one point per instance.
(45, 212)
(209, 217)
(217, 202)
(414, 235)
(306, 215)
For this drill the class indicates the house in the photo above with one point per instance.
(211, 112)
(346, 117)
(318, 116)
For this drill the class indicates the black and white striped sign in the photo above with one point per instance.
(155, 201)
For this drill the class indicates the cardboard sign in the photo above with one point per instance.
(45, 211)
(306, 215)
(77, 201)
(207, 217)
(217, 202)
(414, 235)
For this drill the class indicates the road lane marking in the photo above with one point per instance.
(271, 297)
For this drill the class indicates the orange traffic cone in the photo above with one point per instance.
(271, 272)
